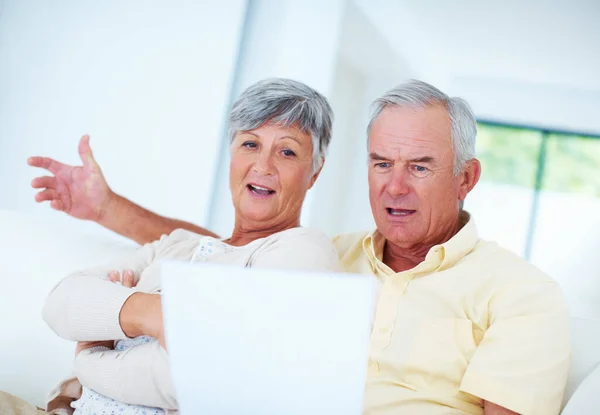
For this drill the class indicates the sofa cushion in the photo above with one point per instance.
(585, 399)
(34, 255)
(585, 354)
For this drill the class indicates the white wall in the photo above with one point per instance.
(365, 68)
(555, 107)
(514, 61)
(149, 81)
(295, 39)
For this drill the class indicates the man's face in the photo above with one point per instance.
(415, 196)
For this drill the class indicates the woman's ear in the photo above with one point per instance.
(316, 174)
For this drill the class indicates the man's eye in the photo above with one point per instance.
(383, 165)
(420, 171)
(249, 144)
(288, 153)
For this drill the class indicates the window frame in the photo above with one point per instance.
(541, 166)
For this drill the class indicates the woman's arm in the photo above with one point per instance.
(140, 375)
(82, 192)
(140, 224)
(86, 305)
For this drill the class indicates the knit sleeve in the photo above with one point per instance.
(139, 375)
(298, 249)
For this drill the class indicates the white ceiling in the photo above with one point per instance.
(545, 42)
(545, 54)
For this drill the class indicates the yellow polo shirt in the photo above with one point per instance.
(472, 322)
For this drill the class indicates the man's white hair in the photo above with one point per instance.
(418, 94)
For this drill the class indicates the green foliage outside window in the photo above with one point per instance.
(573, 165)
(508, 155)
(511, 155)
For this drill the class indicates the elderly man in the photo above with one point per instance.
(462, 326)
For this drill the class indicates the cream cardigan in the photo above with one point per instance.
(85, 306)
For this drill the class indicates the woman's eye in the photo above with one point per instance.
(249, 144)
(288, 153)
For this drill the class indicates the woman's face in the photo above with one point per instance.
(270, 172)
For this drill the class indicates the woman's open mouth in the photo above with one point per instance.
(260, 190)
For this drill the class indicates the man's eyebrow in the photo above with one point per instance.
(375, 156)
(424, 159)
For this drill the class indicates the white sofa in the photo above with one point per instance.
(35, 254)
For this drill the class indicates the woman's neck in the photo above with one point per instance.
(244, 233)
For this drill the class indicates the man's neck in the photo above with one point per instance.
(402, 258)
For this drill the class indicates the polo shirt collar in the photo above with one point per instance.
(438, 258)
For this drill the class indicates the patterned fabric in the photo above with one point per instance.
(93, 403)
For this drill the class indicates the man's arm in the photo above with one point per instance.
(522, 361)
(82, 192)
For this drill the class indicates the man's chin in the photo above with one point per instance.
(399, 234)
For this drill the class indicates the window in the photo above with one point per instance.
(539, 196)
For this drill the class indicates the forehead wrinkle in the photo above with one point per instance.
(398, 135)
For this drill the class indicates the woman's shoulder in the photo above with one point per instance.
(301, 235)
(180, 242)
(297, 248)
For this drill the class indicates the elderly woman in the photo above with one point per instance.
(279, 131)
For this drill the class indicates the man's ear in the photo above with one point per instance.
(316, 175)
(469, 176)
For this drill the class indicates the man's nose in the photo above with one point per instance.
(398, 182)
(264, 164)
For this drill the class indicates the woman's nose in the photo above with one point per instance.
(264, 164)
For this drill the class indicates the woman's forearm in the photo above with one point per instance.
(141, 225)
(140, 375)
(141, 315)
(86, 305)
(86, 308)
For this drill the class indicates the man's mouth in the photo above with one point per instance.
(400, 212)
(260, 190)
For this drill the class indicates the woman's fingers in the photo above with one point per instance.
(43, 182)
(48, 194)
(128, 280)
(114, 276)
(57, 204)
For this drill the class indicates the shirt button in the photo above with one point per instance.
(383, 330)
(374, 368)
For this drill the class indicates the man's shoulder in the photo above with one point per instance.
(347, 242)
(500, 262)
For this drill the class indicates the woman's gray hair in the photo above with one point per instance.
(418, 94)
(284, 102)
